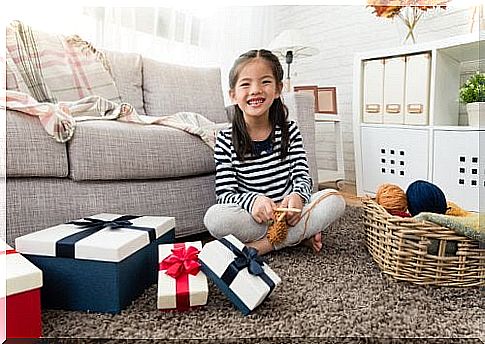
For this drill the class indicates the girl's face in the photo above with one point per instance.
(255, 90)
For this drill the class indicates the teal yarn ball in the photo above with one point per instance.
(424, 196)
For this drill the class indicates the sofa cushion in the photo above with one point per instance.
(120, 150)
(168, 89)
(58, 68)
(126, 69)
(30, 151)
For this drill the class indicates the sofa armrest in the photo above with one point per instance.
(301, 107)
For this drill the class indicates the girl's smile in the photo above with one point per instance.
(256, 102)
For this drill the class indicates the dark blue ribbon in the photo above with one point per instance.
(65, 246)
(247, 258)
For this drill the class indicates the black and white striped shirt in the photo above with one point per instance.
(240, 182)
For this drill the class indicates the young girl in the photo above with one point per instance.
(261, 164)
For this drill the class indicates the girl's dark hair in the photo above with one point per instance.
(278, 112)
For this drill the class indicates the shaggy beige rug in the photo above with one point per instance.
(337, 296)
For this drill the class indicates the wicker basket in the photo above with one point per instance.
(422, 252)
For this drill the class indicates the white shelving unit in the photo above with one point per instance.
(406, 116)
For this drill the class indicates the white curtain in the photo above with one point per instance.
(231, 31)
(163, 34)
(209, 37)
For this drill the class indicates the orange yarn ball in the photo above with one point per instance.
(392, 197)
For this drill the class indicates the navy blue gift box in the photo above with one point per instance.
(100, 263)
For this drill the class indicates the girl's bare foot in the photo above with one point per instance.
(262, 245)
(315, 242)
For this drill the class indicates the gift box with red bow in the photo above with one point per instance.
(22, 292)
(181, 284)
(100, 263)
(239, 272)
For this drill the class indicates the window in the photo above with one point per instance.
(163, 22)
(179, 26)
(168, 23)
(145, 19)
(195, 29)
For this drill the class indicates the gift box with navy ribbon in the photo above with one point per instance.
(181, 284)
(238, 272)
(100, 263)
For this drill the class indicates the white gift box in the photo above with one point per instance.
(21, 275)
(226, 263)
(186, 290)
(100, 263)
(107, 244)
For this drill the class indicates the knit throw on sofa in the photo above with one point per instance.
(64, 80)
(59, 120)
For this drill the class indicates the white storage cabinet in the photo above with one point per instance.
(406, 116)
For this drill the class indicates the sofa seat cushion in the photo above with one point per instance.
(111, 150)
(168, 89)
(30, 151)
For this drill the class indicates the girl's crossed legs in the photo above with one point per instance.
(225, 219)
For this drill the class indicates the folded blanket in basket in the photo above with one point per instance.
(472, 226)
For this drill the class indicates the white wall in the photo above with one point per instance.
(340, 32)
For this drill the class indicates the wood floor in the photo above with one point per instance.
(346, 188)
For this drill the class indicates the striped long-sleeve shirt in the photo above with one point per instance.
(240, 182)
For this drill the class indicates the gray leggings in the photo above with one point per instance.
(225, 219)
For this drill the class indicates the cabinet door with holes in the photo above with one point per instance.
(458, 168)
(393, 155)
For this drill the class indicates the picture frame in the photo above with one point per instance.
(326, 100)
(308, 89)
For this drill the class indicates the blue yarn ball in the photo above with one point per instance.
(425, 196)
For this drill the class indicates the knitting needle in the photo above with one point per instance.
(294, 210)
(281, 217)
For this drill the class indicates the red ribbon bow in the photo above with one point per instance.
(8, 252)
(181, 262)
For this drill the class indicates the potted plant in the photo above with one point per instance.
(472, 93)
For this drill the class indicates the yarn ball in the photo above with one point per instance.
(399, 213)
(455, 210)
(425, 196)
(392, 198)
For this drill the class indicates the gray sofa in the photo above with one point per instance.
(124, 168)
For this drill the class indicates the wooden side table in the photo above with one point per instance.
(339, 174)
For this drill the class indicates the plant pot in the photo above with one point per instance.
(476, 114)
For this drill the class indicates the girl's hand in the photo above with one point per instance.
(263, 209)
(292, 201)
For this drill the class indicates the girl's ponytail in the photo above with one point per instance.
(278, 115)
